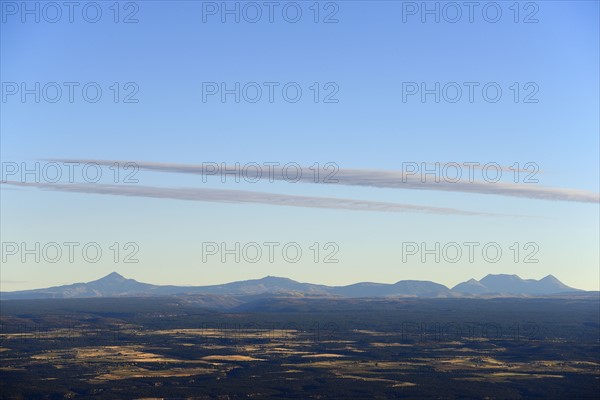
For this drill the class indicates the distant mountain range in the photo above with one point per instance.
(115, 285)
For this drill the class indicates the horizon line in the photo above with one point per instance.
(309, 283)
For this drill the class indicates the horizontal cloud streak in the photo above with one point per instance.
(242, 197)
(396, 180)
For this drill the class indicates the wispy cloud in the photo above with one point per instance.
(243, 197)
(396, 180)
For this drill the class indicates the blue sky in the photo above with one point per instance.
(368, 55)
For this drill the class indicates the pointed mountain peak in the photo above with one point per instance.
(471, 286)
(550, 278)
(113, 277)
(552, 281)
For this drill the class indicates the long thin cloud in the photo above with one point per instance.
(392, 179)
(242, 197)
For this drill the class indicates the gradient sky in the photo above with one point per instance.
(368, 54)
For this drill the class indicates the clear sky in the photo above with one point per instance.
(365, 66)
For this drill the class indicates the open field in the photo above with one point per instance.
(385, 349)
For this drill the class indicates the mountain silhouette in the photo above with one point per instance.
(116, 285)
(514, 285)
